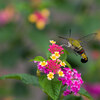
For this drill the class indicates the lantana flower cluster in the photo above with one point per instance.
(53, 65)
(69, 77)
(72, 79)
(6, 15)
(40, 18)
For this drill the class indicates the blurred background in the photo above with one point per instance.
(22, 38)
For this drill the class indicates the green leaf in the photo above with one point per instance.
(50, 87)
(31, 60)
(83, 92)
(48, 55)
(38, 58)
(66, 51)
(25, 78)
(67, 64)
(63, 56)
(72, 97)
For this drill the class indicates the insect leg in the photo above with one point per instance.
(75, 53)
(64, 45)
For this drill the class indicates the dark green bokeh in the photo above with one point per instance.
(21, 41)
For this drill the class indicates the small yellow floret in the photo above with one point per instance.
(40, 24)
(57, 54)
(44, 63)
(52, 41)
(53, 57)
(98, 35)
(63, 64)
(32, 18)
(45, 12)
(60, 73)
(50, 76)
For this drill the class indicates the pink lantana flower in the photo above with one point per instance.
(67, 92)
(72, 79)
(56, 48)
(7, 15)
(40, 18)
(53, 66)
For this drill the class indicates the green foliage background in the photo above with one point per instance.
(21, 41)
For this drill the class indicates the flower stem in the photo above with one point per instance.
(38, 73)
(49, 98)
(61, 98)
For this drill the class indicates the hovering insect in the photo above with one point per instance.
(76, 45)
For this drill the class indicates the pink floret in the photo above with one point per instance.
(56, 48)
(53, 66)
(72, 79)
(40, 16)
(67, 92)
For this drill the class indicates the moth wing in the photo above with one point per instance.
(85, 40)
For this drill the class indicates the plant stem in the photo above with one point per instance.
(49, 98)
(61, 98)
(38, 73)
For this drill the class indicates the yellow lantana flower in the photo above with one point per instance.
(44, 63)
(60, 73)
(57, 54)
(40, 24)
(63, 64)
(52, 41)
(45, 12)
(50, 76)
(32, 18)
(53, 57)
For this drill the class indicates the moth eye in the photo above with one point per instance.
(76, 47)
